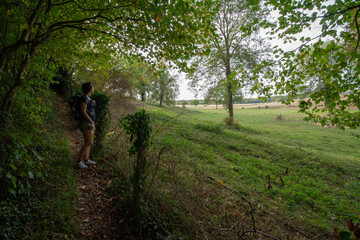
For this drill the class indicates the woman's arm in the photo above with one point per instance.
(83, 112)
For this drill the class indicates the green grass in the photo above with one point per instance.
(313, 170)
(292, 131)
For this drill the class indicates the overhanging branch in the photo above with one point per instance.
(357, 27)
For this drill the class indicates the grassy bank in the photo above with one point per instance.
(304, 174)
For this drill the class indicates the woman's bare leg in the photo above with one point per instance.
(87, 151)
(87, 143)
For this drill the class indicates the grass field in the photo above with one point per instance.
(293, 131)
(307, 173)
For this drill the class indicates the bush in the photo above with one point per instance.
(195, 102)
(228, 121)
(102, 120)
(138, 126)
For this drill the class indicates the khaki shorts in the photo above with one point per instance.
(84, 125)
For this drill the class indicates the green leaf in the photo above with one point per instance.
(13, 166)
(345, 235)
(12, 191)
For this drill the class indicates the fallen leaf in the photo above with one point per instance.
(357, 230)
(86, 220)
(336, 234)
(239, 214)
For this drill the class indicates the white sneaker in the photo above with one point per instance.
(89, 162)
(81, 165)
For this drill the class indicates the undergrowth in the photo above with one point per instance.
(37, 176)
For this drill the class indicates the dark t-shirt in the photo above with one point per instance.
(90, 109)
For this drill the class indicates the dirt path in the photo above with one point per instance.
(96, 211)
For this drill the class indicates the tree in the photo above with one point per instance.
(164, 88)
(195, 102)
(315, 81)
(34, 32)
(183, 103)
(142, 77)
(336, 63)
(236, 47)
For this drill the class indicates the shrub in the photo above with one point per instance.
(195, 102)
(138, 126)
(228, 121)
(102, 120)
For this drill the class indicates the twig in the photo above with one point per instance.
(156, 169)
(285, 224)
(321, 234)
(242, 219)
(158, 129)
(264, 234)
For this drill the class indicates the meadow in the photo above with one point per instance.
(304, 174)
(291, 130)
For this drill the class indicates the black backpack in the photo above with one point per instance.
(75, 106)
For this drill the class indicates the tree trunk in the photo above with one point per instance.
(8, 98)
(230, 95)
(161, 98)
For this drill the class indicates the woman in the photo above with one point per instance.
(87, 125)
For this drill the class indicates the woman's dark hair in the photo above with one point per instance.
(86, 87)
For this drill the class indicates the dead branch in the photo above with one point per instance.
(242, 219)
(264, 234)
(156, 170)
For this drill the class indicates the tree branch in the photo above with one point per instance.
(339, 12)
(264, 234)
(242, 219)
(89, 9)
(33, 18)
(3, 39)
(357, 27)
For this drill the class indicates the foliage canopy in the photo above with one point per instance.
(332, 56)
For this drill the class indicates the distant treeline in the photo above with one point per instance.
(242, 101)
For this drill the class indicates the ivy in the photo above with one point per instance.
(138, 127)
